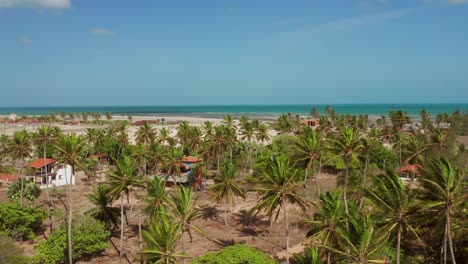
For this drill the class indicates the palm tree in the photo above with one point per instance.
(194, 141)
(120, 180)
(415, 148)
(279, 182)
(156, 155)
(20, 148)
(161, 241)
(367, 146)
(426, 122)
(360, 239)
(183, 133)
(284, 125)
(399, 119)
(326, 220)
(145, 134)
(228, 120)
(157, 197)
(103, 211)
(262, 133)
(347, 146)
(247, 133)
(226, 189)
(164, 136)
(172, 160)
(141, 156)
(185, 212)
(442, 190)
(46, 135)
(396, 205)
(310, 146)
(71, 150)
(218, 140)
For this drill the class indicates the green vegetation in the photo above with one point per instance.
(20, 222)
(236, 254)
(89, 239)
(30, 190)
(372, 216)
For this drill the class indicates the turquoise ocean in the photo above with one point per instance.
(239, 110)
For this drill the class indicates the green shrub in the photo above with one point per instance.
(237, 254)
(30, 190)
(20, 222)
(89, 238)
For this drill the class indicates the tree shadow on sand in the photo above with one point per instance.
(252, 225)
(210, 213)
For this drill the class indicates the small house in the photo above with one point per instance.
(44, 166)
(310, 122)
(409, 171)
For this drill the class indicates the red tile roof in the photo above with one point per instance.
(410, 168)
(191, 159)
(40, 163)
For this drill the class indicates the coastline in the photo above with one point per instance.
(264, 112)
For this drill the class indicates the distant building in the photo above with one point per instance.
(41, 167)
(310, 122)
(13, 116)
(409, 171)
(187, 177)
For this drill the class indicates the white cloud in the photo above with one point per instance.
(44, 4)
(25, 40)
(102, 32)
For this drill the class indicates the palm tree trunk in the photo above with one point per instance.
(363, 185)
(121, 227)
(444, 245)
(70, 217)
(22, 181)
(139, 233)
(449, 236)
(305, 176)
(345, 196)
(183, 246)
(225, 217)
(286, 223)
(317, 173)
(217, 154)
(398, 245)
(47, 191)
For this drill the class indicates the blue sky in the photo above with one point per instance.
(116, 52)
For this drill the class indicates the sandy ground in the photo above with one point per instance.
(80, 129)
(243, 227)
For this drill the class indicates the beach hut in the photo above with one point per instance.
(102, 159)
(409, 171)
(186, 177)
(310, 122)
(62, 176)
(40, 168)
(189, 162)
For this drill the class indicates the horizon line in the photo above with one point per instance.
(235, 105)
